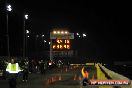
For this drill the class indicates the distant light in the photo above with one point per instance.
(27, 31)
(42, 35)
(8, 7)
(84, 35)
(79, 36)
(28, 36)
(49, 43)
(62, 32)
(50, 63)
(66, 32)
(26, 16)
(58, 32)
(45, 41)
(54, 32)
(77, 33)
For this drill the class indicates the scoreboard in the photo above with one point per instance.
(61, 44)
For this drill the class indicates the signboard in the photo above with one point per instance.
(63, 53)
(62, 36)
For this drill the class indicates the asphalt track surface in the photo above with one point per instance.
(54, 78)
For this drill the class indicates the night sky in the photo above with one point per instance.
(107, 25)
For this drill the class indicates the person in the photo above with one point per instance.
(42, 67)
(85, 81)
(13, 69)
(25, 71)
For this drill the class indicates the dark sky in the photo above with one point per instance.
(106, 25)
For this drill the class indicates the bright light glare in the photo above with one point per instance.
(27, 31)
(58, 32)
(84, 35)
(50, 63)
(26, 16)
(54, 32)
(9, 8)
(77, 33)
(66, 32)
(62, 32)
(42, 35)
(49, 43)
(79, 36)
(28, 36)
(44, 40)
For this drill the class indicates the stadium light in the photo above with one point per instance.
(58, 32)
(84, 35)
(9, 8)
(26, 16)
(54, 32)
(44, 41)
(77, 33)
(27, 31)
(42, 35)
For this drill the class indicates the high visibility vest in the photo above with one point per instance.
(13, 68)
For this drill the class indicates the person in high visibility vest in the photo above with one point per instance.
(13, 69)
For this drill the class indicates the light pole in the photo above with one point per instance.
(8, 9)
(24, 34)
(26, 42)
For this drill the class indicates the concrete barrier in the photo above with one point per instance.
(116, 76)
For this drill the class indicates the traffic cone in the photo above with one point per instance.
(55, 79)
(46, 82)
(49, 81)
(80, 78)
(60, 77)
(71, 67)
(75, 77)
(66, 69)
(93, 77)
(52, 79)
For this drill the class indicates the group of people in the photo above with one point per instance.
(24, 67)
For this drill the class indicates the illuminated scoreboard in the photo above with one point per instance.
(61, 44)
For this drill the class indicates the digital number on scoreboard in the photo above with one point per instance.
(59, 44)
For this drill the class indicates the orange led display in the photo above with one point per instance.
(61, 44)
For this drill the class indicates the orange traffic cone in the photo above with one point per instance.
(75, 77)
(66, 69)
(52, 79)
(93, 77)
(49, 81)
(60, 77)
(71, 67)
(80, 78)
